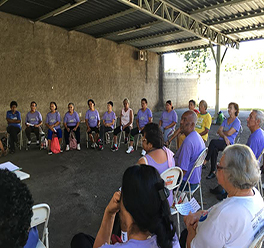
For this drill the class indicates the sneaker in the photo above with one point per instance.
(100, 147)
(143, 152)
(50, 152)
(67, 148)
(28, 143)
(126, 140)
(93, 145)
(61, 150)
(37, 143)
(78, 147)
(114, 148)
(130, 149)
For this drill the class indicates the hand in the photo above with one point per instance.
(192, 219)
(88, 129)
(68, 130)
(36, 126)
(165, 128)
(226, 141)
(114, 205)
(74, 129)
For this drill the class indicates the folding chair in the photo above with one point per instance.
(237, 139)
(41, 214)
(139, 137)
(259, 184)
(41, 133)
(199, 162)
(258, 240)
(173, 179)
(108, 133)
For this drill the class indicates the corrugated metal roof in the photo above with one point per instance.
(113, 20)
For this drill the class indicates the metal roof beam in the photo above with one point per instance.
(142, 38)
(168, 13)
(244, 29)
(218, 4)
(170, 43)
(2, 2)
(128, 30)
(60, 10)
(185, 49)
(236, 17)
(108, 18)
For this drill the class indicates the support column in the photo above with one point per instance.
(217, 83)
(161, 80)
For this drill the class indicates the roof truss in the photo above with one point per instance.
(168, 13)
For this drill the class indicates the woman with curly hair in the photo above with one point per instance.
(15, 211)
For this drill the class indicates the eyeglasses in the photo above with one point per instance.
(220, 167)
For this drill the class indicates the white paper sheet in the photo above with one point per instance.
(10, 166)
(185, 208)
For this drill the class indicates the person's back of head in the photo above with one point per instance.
(15, 211)
(145, 199)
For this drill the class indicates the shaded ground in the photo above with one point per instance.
(78, 185)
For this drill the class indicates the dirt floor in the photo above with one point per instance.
(77, 185)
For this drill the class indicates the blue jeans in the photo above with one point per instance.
(193, 186)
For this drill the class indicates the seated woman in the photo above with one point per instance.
(204, 121)
(168, 121)
(234, 221)
(227, 132)
(92, 120)
(126, 122)
(53, 123)
(144, 214)
(157, 155)
(2, 149)
(13, 118)
(71, 122)
(33, 122)
(108, 124)
(144, 116)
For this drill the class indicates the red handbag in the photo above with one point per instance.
(55, 144)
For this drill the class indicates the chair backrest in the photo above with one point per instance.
(260, 156)
(237, 139)
(172, 178)
(199, 162)
(41, 213)
(258, 240)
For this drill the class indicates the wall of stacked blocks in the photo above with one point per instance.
(44, 63)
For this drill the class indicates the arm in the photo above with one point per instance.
(171, 125)
(87, 125)
(150, 119)
(12, 121)
(175, 134)
(160, 123)
(222, 134)
(204, 132)
(141, 161)
(40, 123)
(230, 132)
(137, 122)
(105, 231)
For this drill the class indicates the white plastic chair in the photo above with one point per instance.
(199, 162)
(237, 139)
(139, 137)
(259, 184)
(258, 240)
(173, 179)
(41, 213)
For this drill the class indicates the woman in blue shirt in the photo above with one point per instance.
(13, 118)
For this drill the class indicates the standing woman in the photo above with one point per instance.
(13, 118)
(53, 124)
(168, 121)
(227, 132)
(33, 122)
(144, 116)
(126, 122)
(71, 122)
(92, 120)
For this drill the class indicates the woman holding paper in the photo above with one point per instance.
(234, 221)
(33, 122)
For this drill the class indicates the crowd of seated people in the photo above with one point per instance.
(143, 202)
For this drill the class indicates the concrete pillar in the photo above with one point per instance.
(217, 83)
(161, 82)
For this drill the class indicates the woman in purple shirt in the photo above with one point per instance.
(144, 116)
(92, 121)
(33, 122)
(71, 122)
(144, 214)
(108, 124)
(227, 132)
(168, 121)
(157, 155)
(53, 124)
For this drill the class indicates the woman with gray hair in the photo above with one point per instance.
(234, 221)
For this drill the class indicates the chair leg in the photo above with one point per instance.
(21, 140)
(87, 140)
(201, 197)
(179, 226)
